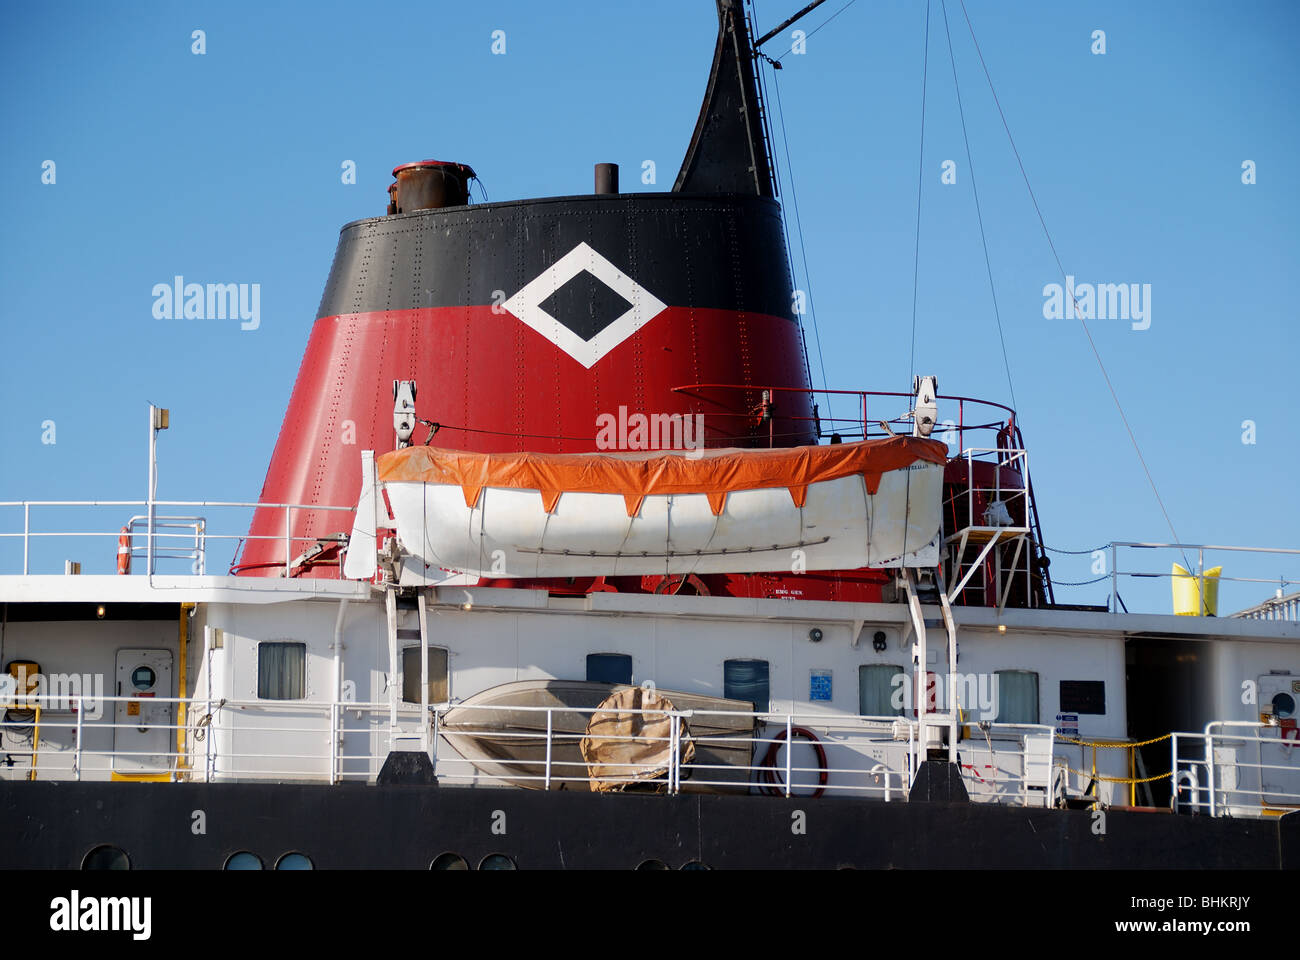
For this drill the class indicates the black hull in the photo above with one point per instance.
(54, 825)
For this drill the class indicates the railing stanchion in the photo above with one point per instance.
(789, 750)
(76, 757)
(1114, 578)
(209, 759)
(1209, 768)
(549, 730)
(1173, 771)
(673, 732)
(334, 741)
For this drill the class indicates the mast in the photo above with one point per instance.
(728, 150)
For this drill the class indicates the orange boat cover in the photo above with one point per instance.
(658, 472)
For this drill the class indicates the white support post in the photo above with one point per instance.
(920, 674)
(288, 548)
(153, 487)
(950, 625)
(424, 673)
(390, 599)
(337, 716)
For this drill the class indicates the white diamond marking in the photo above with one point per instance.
(525, 304)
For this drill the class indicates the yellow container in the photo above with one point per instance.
(1196, 596)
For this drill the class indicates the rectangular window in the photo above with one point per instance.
(1017, 696)
(747, 680)
(281, 671)
(411, 675)
(1083, 696)
(609, 668)
(880, 686)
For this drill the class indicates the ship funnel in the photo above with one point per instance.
(431, 185)
(574, 324)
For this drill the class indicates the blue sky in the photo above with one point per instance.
(225, 167)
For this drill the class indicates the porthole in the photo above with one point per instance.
(295, 861)
(652, 865)
(243, 860)
(449, 861)
(106, 857)
(695, 865)
(1283, 706)
(496, 861)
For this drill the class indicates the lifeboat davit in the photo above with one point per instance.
(875, 503)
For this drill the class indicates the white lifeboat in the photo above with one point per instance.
(522, 515)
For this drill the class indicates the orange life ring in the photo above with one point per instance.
(124, 551)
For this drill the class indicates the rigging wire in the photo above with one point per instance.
(979, 216)
(803, 250)
(1061, 267)
(920, 173)
(785, 221)
(824, 23)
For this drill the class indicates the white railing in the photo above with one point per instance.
(843, 763)
(1030, 776)
(1184, 554)
(171, 538)
(1279, 608)
(222, 740)
(208, 721)
(1236, 768)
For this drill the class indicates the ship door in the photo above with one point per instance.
(143, 734)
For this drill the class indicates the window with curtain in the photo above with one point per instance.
(747, 680)
(877, 684)
(437, 675)
(281, 671)
(1017, 696)
(609, 668)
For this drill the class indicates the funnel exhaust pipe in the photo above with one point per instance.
(607, 178)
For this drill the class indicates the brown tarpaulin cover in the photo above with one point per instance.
(624, 748)
(658, 472)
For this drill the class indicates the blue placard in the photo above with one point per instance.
(1067, 724)
(819, 685)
